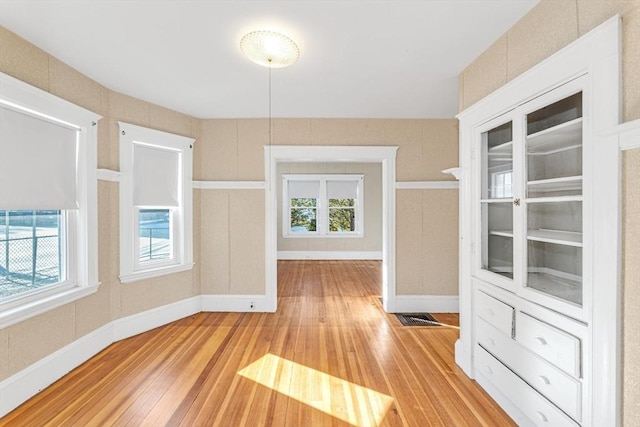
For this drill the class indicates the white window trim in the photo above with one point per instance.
(322, 206)
(130, 269)
(82, 231)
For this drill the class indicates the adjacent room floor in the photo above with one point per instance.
(330, 356)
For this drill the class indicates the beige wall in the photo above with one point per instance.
(549, 26)
(232, 149)
(372, 211)
(27, 342)
(427, 242)
(631, 291)
(232, 242)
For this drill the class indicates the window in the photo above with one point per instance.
(155, 203)
(48, 219)
(322, 205)
(501, 184)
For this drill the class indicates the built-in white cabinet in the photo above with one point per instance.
(528, 165)
(538, 227)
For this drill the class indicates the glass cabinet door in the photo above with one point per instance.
(554, 199)
(496, 200)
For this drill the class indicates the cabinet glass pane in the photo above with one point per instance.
(564, 217)
(554, 149)
(497, 238)
(554, 245)
(555, 269)
(554, 225)
(497, 164)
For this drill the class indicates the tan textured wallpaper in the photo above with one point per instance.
(554, 24)
(427, 235)
(426, 147)
(631, 288)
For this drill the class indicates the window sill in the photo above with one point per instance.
(34, 308)
(155, 272)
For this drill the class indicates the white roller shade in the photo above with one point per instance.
(304, 189)
(38, 165)
(156, 176)
(342, 189)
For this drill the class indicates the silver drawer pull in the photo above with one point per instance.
(491, 341)
(489, 370)
(544, 379)
(542, 416)
(490, 311)
(541, 341)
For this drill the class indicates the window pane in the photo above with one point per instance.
(342, 219)
(155, 234)
(303, 220)
(339, 203)
(30, 255)
(303, 203)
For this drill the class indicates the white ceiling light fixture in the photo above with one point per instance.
(269, 49)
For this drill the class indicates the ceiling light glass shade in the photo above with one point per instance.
(269, 49)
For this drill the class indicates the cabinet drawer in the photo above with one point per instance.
(497, 313)
(550, 343)
(533, 405)
(560, 388)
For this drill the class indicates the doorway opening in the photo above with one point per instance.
(386, 156)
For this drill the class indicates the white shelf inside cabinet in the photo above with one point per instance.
(504, 200)
(558, 199)
(560, 285)
(502, 233)
(502, 149)
(568, 238)
(565, 136)
(567, 183)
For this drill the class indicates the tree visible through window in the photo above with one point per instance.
(322, 205)
(342, 215)
(304, 214)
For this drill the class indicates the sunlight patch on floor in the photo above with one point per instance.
(354, 404)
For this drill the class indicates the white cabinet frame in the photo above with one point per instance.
(597, 56)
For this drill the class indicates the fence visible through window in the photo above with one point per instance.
(154, 235)
(30, 251)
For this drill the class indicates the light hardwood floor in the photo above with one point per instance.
(330, 356)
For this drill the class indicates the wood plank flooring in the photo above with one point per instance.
(330, 356)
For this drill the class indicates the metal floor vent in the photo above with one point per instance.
(417, 319)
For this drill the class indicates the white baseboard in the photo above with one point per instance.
(23, 385)
(145, 321)
(329, 255)
(427, 303)
(236, 303)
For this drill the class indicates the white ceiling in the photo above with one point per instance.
(359, 59)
